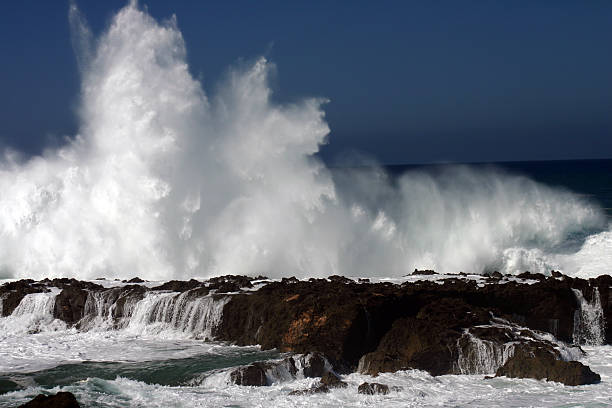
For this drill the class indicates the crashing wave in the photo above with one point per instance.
(163, 182)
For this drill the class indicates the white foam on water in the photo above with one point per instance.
(417, 389)
(593, 259)
(35, 352)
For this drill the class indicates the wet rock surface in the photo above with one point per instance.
(436, 323)
(262, 373)
(328, 381)
(373, 388)
(252, 374)
(59, 400)
(535, 361)
(332, 380)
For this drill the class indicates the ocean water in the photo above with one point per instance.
(167, 180)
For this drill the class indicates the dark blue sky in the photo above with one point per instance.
(409, 81)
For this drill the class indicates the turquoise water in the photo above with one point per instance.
(173, 372)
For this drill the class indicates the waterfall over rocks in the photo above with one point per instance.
(478, 356)
(109, 309)
(163, 313)
(589, 321)
(154, 313)
(33, 314)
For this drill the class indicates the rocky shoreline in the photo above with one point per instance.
(526, 326)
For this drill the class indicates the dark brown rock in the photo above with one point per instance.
(314, 365)
(373, 388)
(538, 362)
(427, 342)
(253, 375)
(331, 380)
(315, 390)
(229, 283)
(529, 275)
(179, 286)
(384, 326)
(424, 272)
(328, 381)
(413, 343)
(556, 274)
(59, 400)
(70, 304)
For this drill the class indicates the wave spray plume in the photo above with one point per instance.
(163, 182)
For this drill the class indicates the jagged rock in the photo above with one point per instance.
(373, 388)
(424, 272)
(11, 293)
(71, 282)
(315, 365)
(380, 326)
(328, 381)
(59, 400)
(252, 374)
(179, 286)
(534, 361)
(343, 320)
(332, 380)
(230, 283)
(347, 320)
(70, 304)
(339, 279)
(529, 275)
(427, 342)
(314, 390)
(556, 274)
(312, 365)
(413, 343)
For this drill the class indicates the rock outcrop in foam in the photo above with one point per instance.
(442, 324)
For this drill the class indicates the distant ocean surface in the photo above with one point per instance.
(589, 178)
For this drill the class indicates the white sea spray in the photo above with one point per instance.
(164, 181)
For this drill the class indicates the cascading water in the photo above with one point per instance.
(589, 321)
(33, 314)
(477, 356)
(170, 313)
(164, 314)
(108, 309)
(36, 304)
